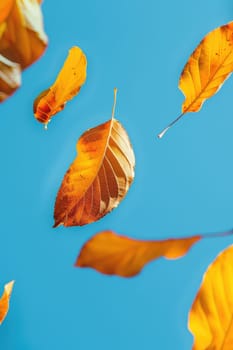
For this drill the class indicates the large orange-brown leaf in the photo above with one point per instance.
(208, 67)
(5, 300)
(211, 315)
(22, 37)
(10, 77)
(68, 83)
(112, 254)
(99, 177)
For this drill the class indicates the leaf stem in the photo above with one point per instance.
(163, 132)
(218, 234)
(114, 102)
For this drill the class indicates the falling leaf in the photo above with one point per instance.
(99, 178)
(5, 299)
(211, 315)
(22, 37)
(112, 254)
(208, 67)
(68, 83)
(10, 77)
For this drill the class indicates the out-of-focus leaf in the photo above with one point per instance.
(99, 178)
(10, 77)
(208, 67)
(22, 37)
(113, 254)
(68, 83)
(211, 315)
(5, 300)
(5, 8)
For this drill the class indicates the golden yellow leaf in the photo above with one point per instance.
(22, 37)
(10, 77)
(208, 67)
(4, 300)
(68, 83)
(113, 254)
(99, 178)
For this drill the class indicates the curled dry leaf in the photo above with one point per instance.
(68, 83)
(22, 37)
(211, 315)
(5, 300)
(10, 77)
(99, 178)
(208, 67)
(113, 254)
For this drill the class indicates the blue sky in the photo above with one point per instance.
(183, 183)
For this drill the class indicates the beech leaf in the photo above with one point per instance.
(210, 64)
(99, 177)
(68, 83)
(10, 77)
(5, 300)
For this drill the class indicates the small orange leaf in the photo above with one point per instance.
(5, 8)
(68, 83)
(99, 178)
(208, 67)
(10, 78)
(211, 315)
(112, 254)
(5, 299)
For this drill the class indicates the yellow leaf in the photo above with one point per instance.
(208, 67)
(211, 315)
(10, 77)
(22, 37)
(99, 178)
(112, 254)
(5, 299)
(68, 83)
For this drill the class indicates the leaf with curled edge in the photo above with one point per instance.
(68, 84)
(10, 78)
(22, 37)
(99, 177)
(5, 300)
(211, 315)
(210, 64)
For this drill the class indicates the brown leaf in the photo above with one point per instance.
(113, 254)
(5, 299)
(10, 78)
(68, 83)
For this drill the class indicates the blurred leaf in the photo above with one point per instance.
(5, 299)
(5, 8)
(10, 77)
(68, 83)
(208, 67)
(112, 254)
(211, 315)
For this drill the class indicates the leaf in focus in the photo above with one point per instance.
(113, 254)
(208, 67)
(10, 78)
(22, 37)
(99, 177)
(5, 8)
(68, 83)
(5, 300)
(211, 315)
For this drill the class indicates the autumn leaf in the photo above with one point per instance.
(22, 37)
(211, 315)
(208, 67)
(10, 77)
(4, 300)
(99, 178)
(68, 83)
(113, 254)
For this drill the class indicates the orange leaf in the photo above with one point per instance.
(99, 178)
(211, 315)
(22, 38)
(4, 301)
(10, 77)
(112, 254)
(5, 8)
(208, 67)
(68, 83)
